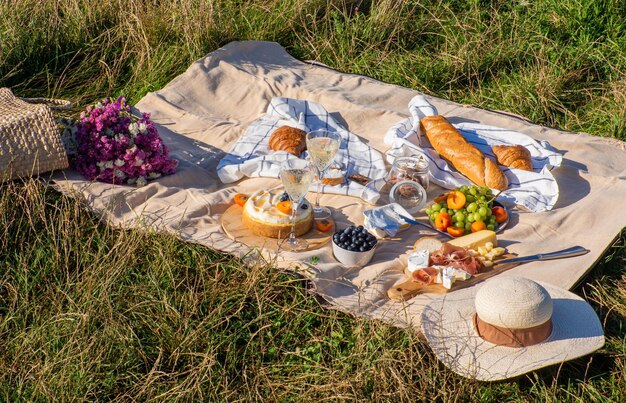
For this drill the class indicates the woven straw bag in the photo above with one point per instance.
(30, 141)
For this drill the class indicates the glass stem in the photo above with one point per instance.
(294, 210)
(320, 176)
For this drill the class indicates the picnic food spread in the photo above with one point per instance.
(268, 213)
(466, 158)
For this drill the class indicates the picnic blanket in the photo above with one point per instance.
(203, 112)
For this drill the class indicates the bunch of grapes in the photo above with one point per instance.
(468, 209)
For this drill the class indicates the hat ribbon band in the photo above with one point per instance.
(503, 336)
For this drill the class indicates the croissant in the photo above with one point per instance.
(290, 139)
(466, 158)
(513, 157)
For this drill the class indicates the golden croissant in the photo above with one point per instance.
(513, 157)
(290, 139)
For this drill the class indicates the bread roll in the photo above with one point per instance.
(290, 139)
(466, 158)
(517, 157)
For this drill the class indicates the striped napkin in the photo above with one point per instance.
(251, 156)
(535, 191)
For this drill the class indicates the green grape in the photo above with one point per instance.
(443, 210)
(470, 217)
(492, 220)
(473, 191)
(468, 226)
(482, 211)
(472, 207)
(482, 198)
(488, 211)
(459, 216)
(435, 207)
(469, 198)
(428, 211)
(490, 227)
(459, 224)
(464, 189)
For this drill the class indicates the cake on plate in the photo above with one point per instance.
(262, 216)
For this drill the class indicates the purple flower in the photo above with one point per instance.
(103, 137)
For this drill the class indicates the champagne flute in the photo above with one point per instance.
(322, 146)
(296, 176)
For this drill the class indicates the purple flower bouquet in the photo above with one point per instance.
(114, 146)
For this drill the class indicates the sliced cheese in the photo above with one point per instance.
(418, 260)
(475, 240)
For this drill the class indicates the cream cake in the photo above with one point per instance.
(262, 217)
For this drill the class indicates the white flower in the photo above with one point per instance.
(108, 165)
(131, 181)
(143, 127)
(141, 181)
(133, 129)
(100, 164)
(109, 132)
(99, 105)
(119, 163)
(138, 162)
(154, 175)
(119, 173)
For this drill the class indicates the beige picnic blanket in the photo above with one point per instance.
(202, 112)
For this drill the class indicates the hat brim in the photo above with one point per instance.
(448, 327)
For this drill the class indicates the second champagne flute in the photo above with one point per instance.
(322, 146)
(296, 176)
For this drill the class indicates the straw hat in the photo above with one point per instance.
(508, 327)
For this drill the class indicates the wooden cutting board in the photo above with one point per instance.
(409, 288)
(237, 231)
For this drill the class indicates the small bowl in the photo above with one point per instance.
(353, 259)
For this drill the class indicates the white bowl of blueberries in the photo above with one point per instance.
(354, 246)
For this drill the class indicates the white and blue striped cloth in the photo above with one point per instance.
(535, 191)
(251, 156)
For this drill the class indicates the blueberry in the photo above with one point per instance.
(305, 206)
(360, 228)
(284, 197)
(363, 249)
(364, 231)
(370, 237)
(342, 237)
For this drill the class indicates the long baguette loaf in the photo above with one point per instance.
(466, 158)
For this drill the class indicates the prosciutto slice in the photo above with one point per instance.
(457, 257)
(426, 276)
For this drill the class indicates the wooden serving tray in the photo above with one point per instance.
(236, 230)
(409, 288)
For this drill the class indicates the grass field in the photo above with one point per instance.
(88, 312)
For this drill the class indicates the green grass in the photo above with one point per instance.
(88, 312)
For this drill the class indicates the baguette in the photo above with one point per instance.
(466, 158)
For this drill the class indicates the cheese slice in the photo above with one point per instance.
(418, 260)
(475, 239)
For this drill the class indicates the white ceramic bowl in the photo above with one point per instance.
(353, 259)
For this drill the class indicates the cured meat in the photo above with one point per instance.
(457, 257)
(426, 276)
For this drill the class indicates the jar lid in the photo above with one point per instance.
(410, 195)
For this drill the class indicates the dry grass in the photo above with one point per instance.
(88, 312)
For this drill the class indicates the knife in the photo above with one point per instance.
(411, 221)
(569, 252)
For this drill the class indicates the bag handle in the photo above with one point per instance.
(51, 102)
